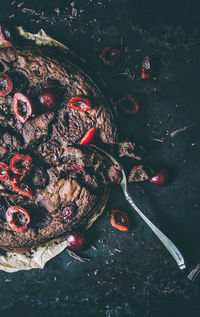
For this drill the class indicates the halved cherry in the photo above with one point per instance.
(88, 136)
(6, 85)
(20, 164)
(129, 104)
(8, 34)
(4, 169)
(22, 107)
(79, 103)
(109, 55)
(21, 187)
(147, 68)
(17, 218)
(120, 220)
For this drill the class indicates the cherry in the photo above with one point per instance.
(114, 175)
(8, 34)
(109, 55)
(74, 170)
(22, 107)
(4, 169)
(120, 220)
(160, 178)
(88, 137)
(17, 218)
(68, 211)
(21, 187)
(147, 68)
(77, 241)
(20, 164)
(49, 98)
(129, 104)
(6, 85)
(79, 103)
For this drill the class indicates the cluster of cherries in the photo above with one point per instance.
(128, 103)
(19, 165)
(17, 217)
(23, 107)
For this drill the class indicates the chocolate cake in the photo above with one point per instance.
(49, 179)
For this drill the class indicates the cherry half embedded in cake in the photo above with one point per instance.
(79, 103)
(21, 187)
(119, 219)
(69, 210)
(22, 107)
(88, 137)
(129, 104)
(109, 55)
(17, 218)
(19, 164)
(4, 169)
(6, 85)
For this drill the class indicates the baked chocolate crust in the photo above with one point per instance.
(63, 172)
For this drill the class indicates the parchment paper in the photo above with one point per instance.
(12, 261)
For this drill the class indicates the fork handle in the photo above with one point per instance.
(166, 241)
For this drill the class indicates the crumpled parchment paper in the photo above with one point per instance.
(12, 261)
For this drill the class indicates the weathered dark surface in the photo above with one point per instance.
(130, 274)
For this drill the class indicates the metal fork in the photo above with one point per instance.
(166, 241)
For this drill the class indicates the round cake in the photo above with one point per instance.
(50, 178)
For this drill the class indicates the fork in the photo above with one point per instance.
(173, 250)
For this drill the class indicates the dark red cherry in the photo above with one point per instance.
(6, 85)
(77, 241)
(22, 107)
(161, 177)
(17, 218)
(49, 98)
(109, 55)
(68, 211)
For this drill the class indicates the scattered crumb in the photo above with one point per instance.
(176, 132)
(117, 250)
(69, 263)
(77, 257)
(94, 247)
(158, 140)
(139, 174)
(20, 4)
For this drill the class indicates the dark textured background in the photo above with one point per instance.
(131, 274)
